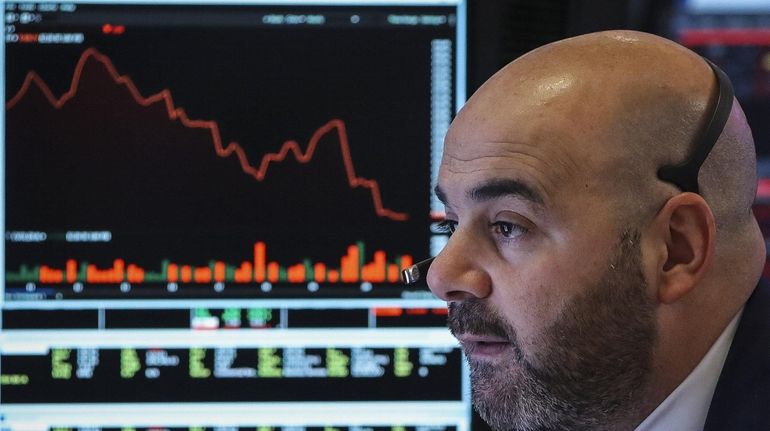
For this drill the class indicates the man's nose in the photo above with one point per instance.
(456, 274)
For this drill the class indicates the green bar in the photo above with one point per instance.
(153, 277)
(83, 272)
(13, 277)
(164, 269)
(229, 273)
(309, 273)
(28, 275)
(361, 258)
(201, 312)
(24, 274)
(282, 274)
(232, 316)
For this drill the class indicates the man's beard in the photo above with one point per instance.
(591, 363)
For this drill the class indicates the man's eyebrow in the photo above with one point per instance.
(498, 188)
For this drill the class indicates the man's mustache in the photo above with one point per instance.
(474, 317)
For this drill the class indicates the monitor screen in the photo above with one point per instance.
(206, 208)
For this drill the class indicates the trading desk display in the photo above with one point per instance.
(206, 209)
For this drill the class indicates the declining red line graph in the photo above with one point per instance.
(178, 113)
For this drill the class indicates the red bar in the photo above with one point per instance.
(725, 36)
(272, 272)
(51, 275)
(239, 276)
(417, 311)
(202, 275)
(440, 311)
(345, 267)
(92, 275)
(173, 273)
(244, 273)
(186, 274)
(349, 265)
(388, 312)
(355, 262)
(406, 261)
(135, 274)
(301, 273)
(98, 275)
(43, 275)
(296, 273)
(248, 272)
(219, 271)
(393, 273)
(118, 270)
(379, 267)
(319, 269)
(259, 262)
(333, 276)
(130, 272)
(72, 271)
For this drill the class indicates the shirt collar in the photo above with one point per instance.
(686, 407)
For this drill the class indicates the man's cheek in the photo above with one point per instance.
(529, 311)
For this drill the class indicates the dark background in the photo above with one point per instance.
(501, 30)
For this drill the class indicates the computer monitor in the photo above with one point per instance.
(206, 206)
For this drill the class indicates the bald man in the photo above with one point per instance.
(588, 289)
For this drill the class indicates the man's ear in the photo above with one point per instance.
(687, 231)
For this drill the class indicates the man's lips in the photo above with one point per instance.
(485, 347)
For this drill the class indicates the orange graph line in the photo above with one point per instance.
(178, 113)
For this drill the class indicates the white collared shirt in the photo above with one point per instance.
(686, 408)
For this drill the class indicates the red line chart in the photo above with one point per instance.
(178, 113)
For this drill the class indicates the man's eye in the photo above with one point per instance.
(509, 230)
(446, 227)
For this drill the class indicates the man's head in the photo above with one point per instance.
(584, 288)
